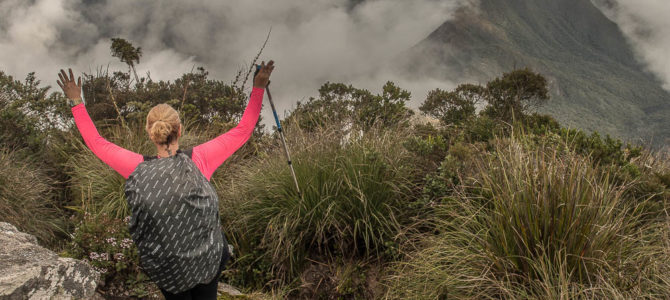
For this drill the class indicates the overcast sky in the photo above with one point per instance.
(312, 41)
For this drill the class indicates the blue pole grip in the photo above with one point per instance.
(274, 112)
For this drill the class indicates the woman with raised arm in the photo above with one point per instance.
(174, 208)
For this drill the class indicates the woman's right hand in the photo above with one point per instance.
(71, 89)
(263, 78)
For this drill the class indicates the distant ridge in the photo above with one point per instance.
(596, 82)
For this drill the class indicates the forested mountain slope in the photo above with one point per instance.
(596, 81)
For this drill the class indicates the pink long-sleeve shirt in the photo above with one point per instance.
(208, 156)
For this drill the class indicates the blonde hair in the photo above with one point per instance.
(163, 124)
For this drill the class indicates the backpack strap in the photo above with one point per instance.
(188, 152)
(148, 158)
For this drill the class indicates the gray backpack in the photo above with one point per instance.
(175, 222)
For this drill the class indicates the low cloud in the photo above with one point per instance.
(312, 41)
(646, 23)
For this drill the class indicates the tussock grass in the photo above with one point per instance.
(26, 197)
(95, 183)
(356, 193)
(537, 223)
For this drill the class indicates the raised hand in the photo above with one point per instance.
(263, 78)
(71, 89)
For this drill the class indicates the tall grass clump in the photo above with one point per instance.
(94, 182)
(356, 192)
(26, 198)
(541, 224)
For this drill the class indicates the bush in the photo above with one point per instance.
(508, 98)
(514, 94)
(647, 176)
(26, 198)
(483, 129)
(355, 194)
(346, 107)
(539, 224)
(540, 124)
(429, 145)
(105, 243)
(456, 166)
(604, 151)
(27, 114)
(453, 107)
(199, 99)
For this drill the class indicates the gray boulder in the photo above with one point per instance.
(228, 290)
(29, 271)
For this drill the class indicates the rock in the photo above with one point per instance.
(229, 290)
(29, 271)
(419, 118)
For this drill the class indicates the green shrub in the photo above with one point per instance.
(507, 98)
(604, 151)
(202, 101)
(540, 124)
(346, 107)
(355, 194)
(511, 96)
(26, 197)
(483, 129)
(432, 145)
(543, 225)
(644, 175)
(105, 243)
(428, 145)
(453, 107)
(456, 165)
(28, 115)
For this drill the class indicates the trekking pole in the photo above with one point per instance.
(281, 135)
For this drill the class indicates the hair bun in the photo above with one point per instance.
(163, 124)
(160, 131)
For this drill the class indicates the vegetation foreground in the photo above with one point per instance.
(487, 200)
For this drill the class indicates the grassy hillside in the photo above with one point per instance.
(595, 81)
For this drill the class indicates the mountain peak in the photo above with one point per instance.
(597, 83)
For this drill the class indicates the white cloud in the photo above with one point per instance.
(646, 23)
(312, 41)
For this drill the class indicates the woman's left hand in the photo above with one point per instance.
(71, 88)
(263, 77)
